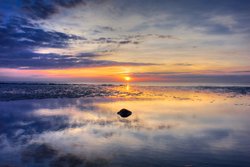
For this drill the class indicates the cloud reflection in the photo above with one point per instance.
(88, 130)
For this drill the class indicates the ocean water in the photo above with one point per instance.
(78, 125)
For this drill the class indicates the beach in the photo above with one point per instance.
(169, 126)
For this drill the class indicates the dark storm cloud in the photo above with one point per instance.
(19, 37)
(43, 9)
(69, 3)
(38, 9)
(21, 34)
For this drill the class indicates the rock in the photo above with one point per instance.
(124, 113)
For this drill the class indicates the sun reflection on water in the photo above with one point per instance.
(127, 87)
(163, 121)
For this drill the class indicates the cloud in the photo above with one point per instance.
(38, 9)
(87, 55)
(105, 28)
(125, 42)
(73, 33)
(20, 33)
(242, 71)
(70, 3)
(42, 9)
(183, 64)
(21, 36)
(227, 20)
(223, 18)
(31, 60)
(130, 39)
(190, 77)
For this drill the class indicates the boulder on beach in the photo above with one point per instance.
(124, 113)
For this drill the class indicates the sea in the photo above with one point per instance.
(166, 125)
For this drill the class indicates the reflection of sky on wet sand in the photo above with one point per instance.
(175, 128)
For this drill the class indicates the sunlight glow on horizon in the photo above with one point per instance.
(127, 78)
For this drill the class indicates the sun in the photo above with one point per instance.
(127, 78)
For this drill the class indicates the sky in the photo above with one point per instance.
(108, 40)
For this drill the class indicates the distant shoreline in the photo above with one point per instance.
(21, 91)
(185, 84)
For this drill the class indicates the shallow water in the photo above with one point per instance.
(168, 127)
